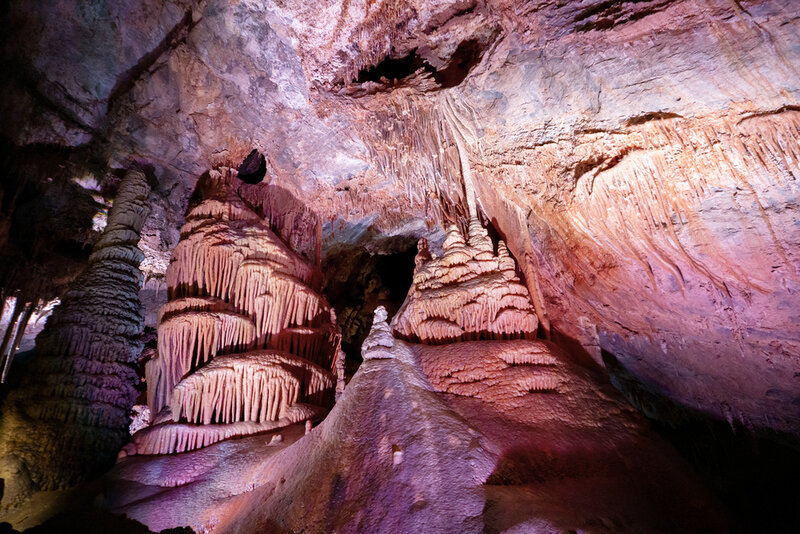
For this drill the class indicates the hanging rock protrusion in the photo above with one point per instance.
(245, 341)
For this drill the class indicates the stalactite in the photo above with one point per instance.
(21, 326)
(252, 386)
(5, 354)
(235, 286)
(69, 416)
(170, 438)
(469, 293)
(189, 340)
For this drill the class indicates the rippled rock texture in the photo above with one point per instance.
(69, 416)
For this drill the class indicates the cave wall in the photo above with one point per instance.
(639, 158)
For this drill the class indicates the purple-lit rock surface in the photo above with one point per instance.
(640, 159)
(468, 437)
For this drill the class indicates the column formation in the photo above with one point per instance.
(69, 417)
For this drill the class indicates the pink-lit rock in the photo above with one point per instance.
(394, 455)
(468, 293)
(236, 289)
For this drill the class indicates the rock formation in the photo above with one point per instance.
(69, 417)
(639, 160)
(244, 340)
(435, 438)
(468, 293)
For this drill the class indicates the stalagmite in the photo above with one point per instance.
(70, 414)
(244, 338)
(468, 294)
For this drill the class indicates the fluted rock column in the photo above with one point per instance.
(69, 417)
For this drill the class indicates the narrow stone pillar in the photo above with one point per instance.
(69, 417)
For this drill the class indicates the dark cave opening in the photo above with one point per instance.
(46, 221)
(357, 282)
(394, 69)
(753, 473)
(253, 168)
(466, 56)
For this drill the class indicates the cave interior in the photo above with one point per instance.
(400, 266)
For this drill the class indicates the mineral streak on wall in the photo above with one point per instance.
(245, 341)
(69, 417)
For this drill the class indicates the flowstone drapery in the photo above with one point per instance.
(468, 293)
(245, 344)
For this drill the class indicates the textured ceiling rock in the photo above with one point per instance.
(71, 60)
(640, 159)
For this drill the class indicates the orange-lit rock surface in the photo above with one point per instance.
(468, 293)
(244, 340)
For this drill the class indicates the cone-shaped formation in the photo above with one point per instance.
(468, 293)
(70, 415)
(244, 337)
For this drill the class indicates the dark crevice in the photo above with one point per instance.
(464, 59)
(357, 282)
(467, 55)
(652, 116)
(394, 69)
(782, 109)
(611, 13)
(600, 164)
(753, 473)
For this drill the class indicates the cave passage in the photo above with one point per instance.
(467, 55)
(357, 282)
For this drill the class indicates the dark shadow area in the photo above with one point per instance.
(754, 473)
(357, 282)
(467, 55)
(464, 59)
(253, 168)
(91, 520)
(46, 232)
(394, 69)
(610, 13)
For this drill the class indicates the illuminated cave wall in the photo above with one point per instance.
(638, 160)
